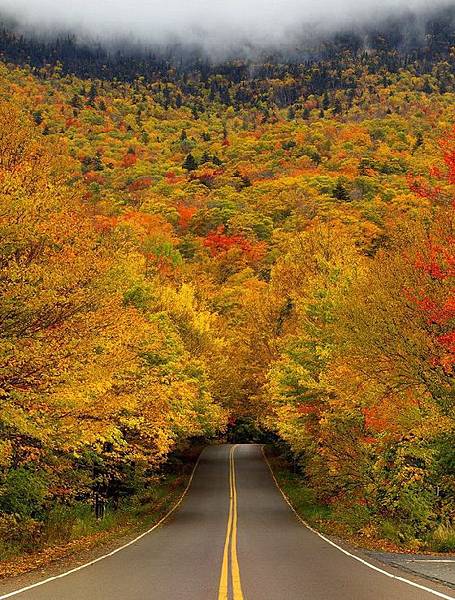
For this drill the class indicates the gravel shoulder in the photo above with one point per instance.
(440, 568)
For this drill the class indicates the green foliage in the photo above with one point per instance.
(246, 431)
(23, 493)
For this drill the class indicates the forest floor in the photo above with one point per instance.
(116, 529)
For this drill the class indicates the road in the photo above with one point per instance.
(233, 538)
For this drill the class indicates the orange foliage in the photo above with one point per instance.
(104, 224)
(93, 177)
(142, 183)
(185, 215)
(129, 160)
(172, 178)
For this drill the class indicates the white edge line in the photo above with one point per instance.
(361, 560)
(130, 543)
(430, 560)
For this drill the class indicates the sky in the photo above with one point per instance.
(211, 23)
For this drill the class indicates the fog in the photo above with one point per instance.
(212, 24)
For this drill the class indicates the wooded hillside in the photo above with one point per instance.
(179, 254)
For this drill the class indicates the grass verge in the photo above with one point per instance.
(353, 523)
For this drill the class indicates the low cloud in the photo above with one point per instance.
(211, 24)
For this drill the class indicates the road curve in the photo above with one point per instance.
(234, 538)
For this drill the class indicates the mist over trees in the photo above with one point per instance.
(395, 40)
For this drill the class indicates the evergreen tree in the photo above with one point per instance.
(190, 163)
(419, 140)
(340, 192)
(337, 107)
(325, 101)
(92, 94)
(38, 117)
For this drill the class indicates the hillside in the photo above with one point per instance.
(194, 247)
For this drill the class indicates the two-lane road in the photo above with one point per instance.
(233, 538)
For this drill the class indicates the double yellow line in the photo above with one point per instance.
(231, 542)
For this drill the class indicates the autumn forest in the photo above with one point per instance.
(261, 252)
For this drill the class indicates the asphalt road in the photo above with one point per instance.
(233, 538)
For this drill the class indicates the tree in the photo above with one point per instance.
(84, 349)
(190, 163)
(92, 94)
(340, 192)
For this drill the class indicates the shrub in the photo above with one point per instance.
(390, 531)
(23, 493)
(356, 517)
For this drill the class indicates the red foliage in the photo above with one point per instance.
(440, 314)
(308, 409)
(439, 262)
(172, 178)
(72, 122)
(449, 157)
(448, 340)
(437, 315)
(373, 420)
(219, 242)
(368, 439)
(422, 188)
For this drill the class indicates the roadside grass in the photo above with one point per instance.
(330, 519)
(442, 539)
(27, 544)
(302, 498)
(67, 523)
(355, 523)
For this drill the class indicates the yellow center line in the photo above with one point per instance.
(231, 541)
(223, 588)
(236, 585)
